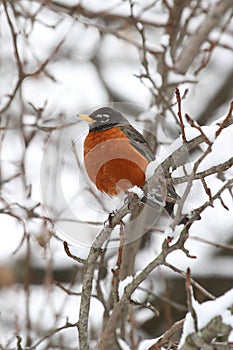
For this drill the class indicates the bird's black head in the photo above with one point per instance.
(104, 118)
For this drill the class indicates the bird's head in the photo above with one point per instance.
(104, 118)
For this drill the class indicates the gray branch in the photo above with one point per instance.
(192, 48)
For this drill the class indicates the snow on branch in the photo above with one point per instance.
(214, 325)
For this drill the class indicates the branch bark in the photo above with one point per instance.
(131, 287)
(205, 338)
(89, 268)
(192, 48)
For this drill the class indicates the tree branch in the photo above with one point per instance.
(194, 42)
(89, 268)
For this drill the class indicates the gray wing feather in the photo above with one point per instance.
(138, 141)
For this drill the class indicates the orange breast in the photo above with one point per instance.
(112, 163)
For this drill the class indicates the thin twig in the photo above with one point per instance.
(168, 335)
(215, 244)
(192, 281)
(194, 124)
(226, 120)
(216, 169)
(179, 113)
(189, 294)
(52, 332)
(74, 257)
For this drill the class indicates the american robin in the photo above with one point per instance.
(116, 155)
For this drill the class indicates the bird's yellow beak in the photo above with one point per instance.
(87, 118)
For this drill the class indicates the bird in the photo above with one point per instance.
(116, 157)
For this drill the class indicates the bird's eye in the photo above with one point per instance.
(105, 118)
(102, 118)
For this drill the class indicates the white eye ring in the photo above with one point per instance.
(105, 118)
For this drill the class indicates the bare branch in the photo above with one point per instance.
(107, 15)
(205, 338)
(192, 47)
(52, 332)
(192, 281)
(179, 113)
(189, 294)
(131, 287)
(216, 244)
(89, 268)
(166, 337)
(74, 257)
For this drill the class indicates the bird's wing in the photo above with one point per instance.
(138, 141)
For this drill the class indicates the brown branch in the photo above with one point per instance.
(179, 113)
(22, 75)
(223, 204)
(66, 290)
(226, 120)
(166, 337)
(14, 39)
(174, 304)
(192, 281)
(107, 16)
(70, 292)
(189, 184)
(207, 189)
(179, 156)
(52, 332)
(146, 305)
(216, 244)
(74, 257)
(196, 213)
(189, 294)
(194, 124)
